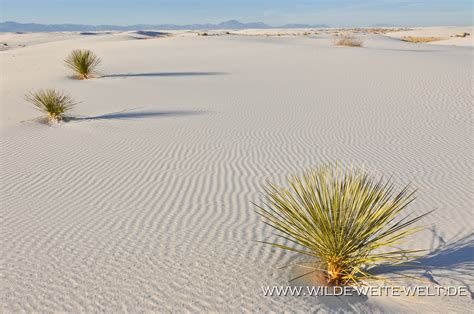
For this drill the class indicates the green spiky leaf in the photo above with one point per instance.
(83, 62)
(347, 219)
(52, 102)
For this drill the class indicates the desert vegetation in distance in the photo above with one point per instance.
(342, 218)
(348, 41)
(376, 30)
(83, 62)
(414, 39)
(462, 35)
(52, 102)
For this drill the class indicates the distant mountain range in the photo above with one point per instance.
(232, 24)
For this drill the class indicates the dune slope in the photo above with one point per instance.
(143, 201)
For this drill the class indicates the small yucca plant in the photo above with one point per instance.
(83, 62)
(342, 218)
(52, 102)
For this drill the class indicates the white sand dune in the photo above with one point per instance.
(143, 202)
(447, 35)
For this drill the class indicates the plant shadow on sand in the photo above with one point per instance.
(133, 114)
(163, 74)
(406, 50)
(449, 259)
(454, 257)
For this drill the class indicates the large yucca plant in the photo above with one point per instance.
(52, 102)
(83, 62)
(347, 219)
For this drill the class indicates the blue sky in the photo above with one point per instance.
(273, 12)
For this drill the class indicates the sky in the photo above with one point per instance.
(274, 12)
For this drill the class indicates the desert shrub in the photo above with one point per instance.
(348, 41)
(413, 39)
(83, 62)
(348, 220)
(52, 102)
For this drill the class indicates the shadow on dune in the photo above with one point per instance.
(95, 33)
(152, 33)
(406, 50)
(164, 74)
(145, 114)
(455, 257)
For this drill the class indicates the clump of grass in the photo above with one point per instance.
(348, 41)
(348, 220)
(413, 39)
(83, 62)
(52, 102)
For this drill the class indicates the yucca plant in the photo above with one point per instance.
(347, 219)
(83, 62)
(52, 102)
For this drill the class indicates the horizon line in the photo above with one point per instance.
(325, 25)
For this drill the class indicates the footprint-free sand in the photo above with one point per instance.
(143, 201)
